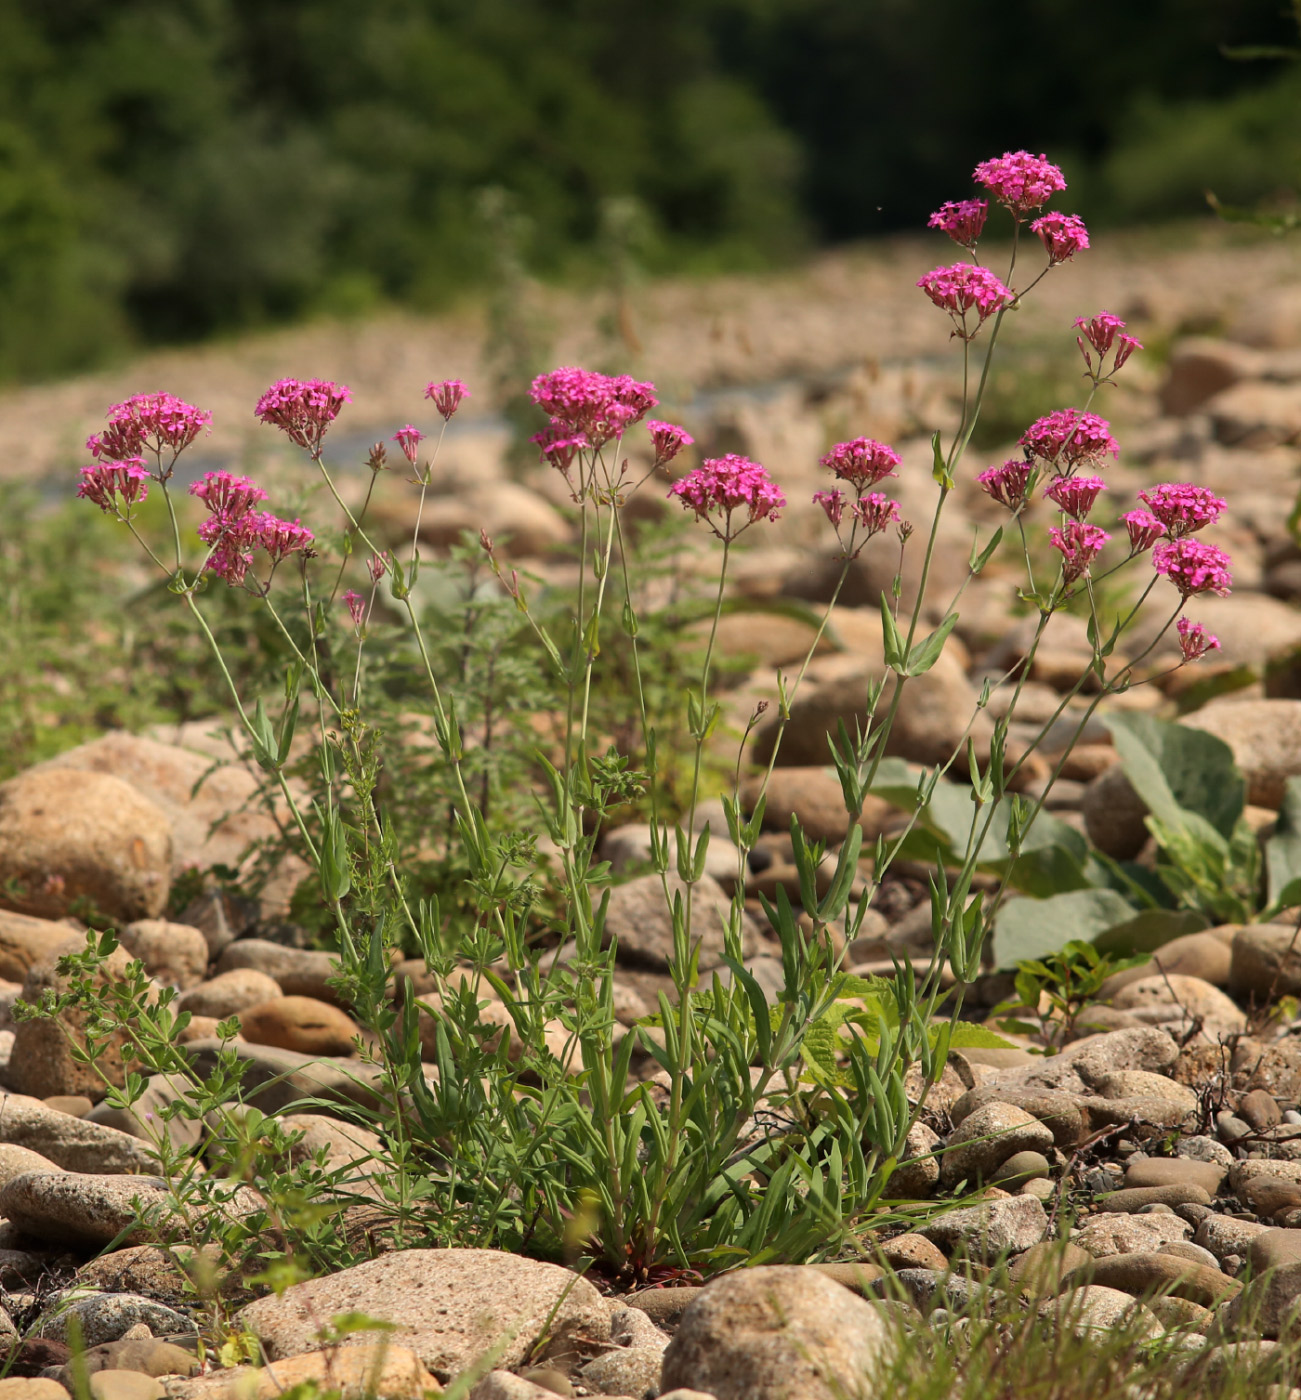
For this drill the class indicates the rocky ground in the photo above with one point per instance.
(1151, 1172)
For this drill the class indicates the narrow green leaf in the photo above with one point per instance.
(926, 653)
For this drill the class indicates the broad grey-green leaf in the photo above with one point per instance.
(1176, 770)
(1283, 849)
(1029, 928)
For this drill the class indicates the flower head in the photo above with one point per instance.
(378, 565)
(115, 486)
(1144, 530)
(963, 220)
(1007, 484)
(356, 605)
(875, 512)
(862, 461)
(303, 408)
(227, 495)
(1080, 544)
(1194, 640)
(726, 485)
(149, 422)
(281, 538)
(1068, 439)
(1193, 567)
(409, 440)
(1102, 332)
(598, 406)
(668, 440)
(447, 395)
(833, 503)
(1182, 508)
(965, 287)
(1020, 181)
(1075, 494)
(558, 445)
(1063, 235)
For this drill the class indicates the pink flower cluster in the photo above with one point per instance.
(862, 461)
(409, 440)
(1020, 181)
(303, 409)
(1183, 509)
(115, 486)
(1102, 332)
(668, 440)
(1063, 235)
(149, 422)
(1075, 495)
(1068, 439)
(726, 485)
(447, 395)
(233, 529)
(963, 220)
(965, 287)
(874, 512)
(596, 407)
(1193, 567)
(1007, 484)
(1144, 530)
(1194, 640)
(1080, 544)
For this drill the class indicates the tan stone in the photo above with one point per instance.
(229, 994)
(299, 1023)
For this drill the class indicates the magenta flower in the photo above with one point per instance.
(1144, 530)
(1194, 640)
(1019, 181)
(227, 495)
(729, 484)
(1068, 439)
(668, 440)
(1193, 567)
(559, 445)
(447, 396)
(862, 461)
(833, 503)
(303, 409)
(1102, 332)
(229, 562)
(149, 422)
(378, 564)
(281, 538)
(1075, 494)
(963, 220)
(875, 512)
(1182, 508)
(1007, 484)
(356, 606)
(595, 406)
(115, 486)
(1080, 544)
(409, 440)
(965, 287)
(1063, 235)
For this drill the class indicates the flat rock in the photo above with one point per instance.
(990, 1229)
(986, 1138)
(448, 1305)
(1176, 1171)
(74, 1144)
(639, 920)
(1139, 1272)
(299, 1023)
(66, 836)
(92, 1211)
(229, 994)
(1104, 1235)
(1136, 1198)
(365, 1371)
(104, 1317)
(175, 954)
(299, 972)
(769, 1333)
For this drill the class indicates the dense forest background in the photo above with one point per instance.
(174, 169)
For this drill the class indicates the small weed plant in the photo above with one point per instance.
(770, 1124)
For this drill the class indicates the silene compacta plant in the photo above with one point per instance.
(768, 1127)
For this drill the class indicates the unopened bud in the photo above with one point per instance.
(760, 708)
(378, 459)
(485, 542)
(905, 531)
